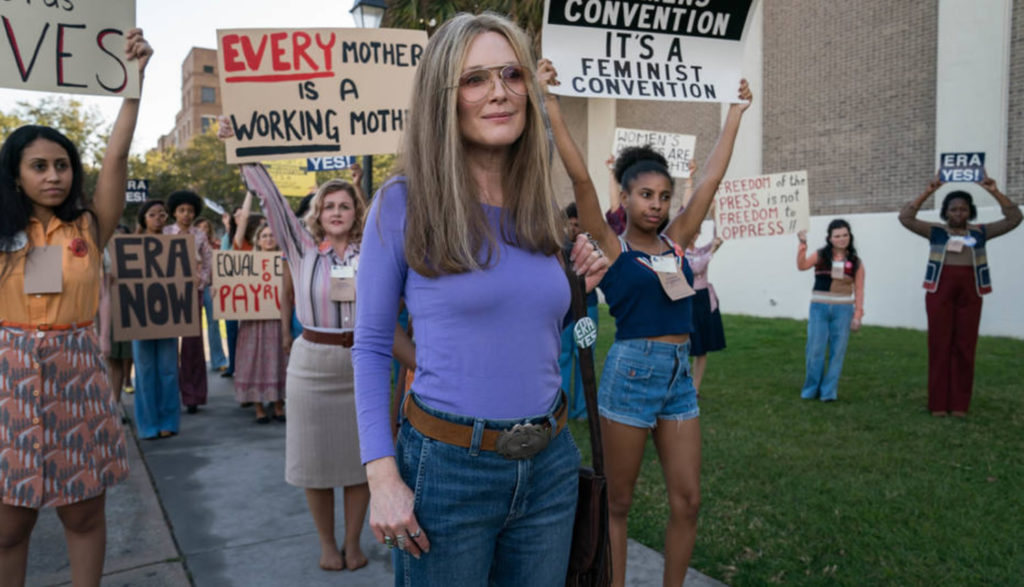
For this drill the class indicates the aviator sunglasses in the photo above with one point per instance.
(476, 84)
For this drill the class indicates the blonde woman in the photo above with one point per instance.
(470, 236)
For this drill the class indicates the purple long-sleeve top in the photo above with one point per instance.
(487, 341)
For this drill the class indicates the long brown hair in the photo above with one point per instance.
(446, 227)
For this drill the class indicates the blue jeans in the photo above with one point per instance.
(829, 325)
(490, 520)
(157, 404)
(645, 381)
(217, 358)
(569, 364)
(231, 327)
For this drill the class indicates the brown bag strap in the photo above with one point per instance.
(578, 287)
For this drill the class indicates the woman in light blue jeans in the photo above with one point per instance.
(483, 486)
(837, 307)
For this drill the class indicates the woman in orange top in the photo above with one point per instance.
(61, 442)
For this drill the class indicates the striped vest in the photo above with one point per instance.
(938, 239)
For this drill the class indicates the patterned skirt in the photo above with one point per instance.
(61, 440)
(259, 362)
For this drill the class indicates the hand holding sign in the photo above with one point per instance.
(137, 49)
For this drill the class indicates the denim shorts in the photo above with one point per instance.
(645, 381)
(490, 520)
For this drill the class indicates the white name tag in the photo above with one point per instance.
(838, 269)
(342, 272)
(664, 264)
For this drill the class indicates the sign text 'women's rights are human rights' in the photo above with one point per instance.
(673, 50)
(316, 92)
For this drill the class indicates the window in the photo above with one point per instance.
(209, 95)
(207, 122)
(207, 69)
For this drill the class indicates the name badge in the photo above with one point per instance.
(44, 273)
(664, 264)
(342, 272)
(838, 269)
(675, 285)
(955, 244)
(343, 289)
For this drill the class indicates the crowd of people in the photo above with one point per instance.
(466, 237)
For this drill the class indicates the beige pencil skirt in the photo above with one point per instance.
(322, 437)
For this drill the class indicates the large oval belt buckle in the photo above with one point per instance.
(522, 441)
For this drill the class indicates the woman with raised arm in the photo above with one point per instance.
(646, 384)
(837, 307)
(956, 277)
(61, 441)
(482, 488)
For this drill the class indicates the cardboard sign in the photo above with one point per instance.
(337, 163)
(291, 177)
(137, 191)
(155, 293)
(247, 285)
(677, 148)
(643, 50)
(316, 92)
(68, 46)
(765, 205)
(963, 167)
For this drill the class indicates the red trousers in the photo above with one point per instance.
(954, 311)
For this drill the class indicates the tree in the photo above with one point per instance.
(429, 14)
(84, 126)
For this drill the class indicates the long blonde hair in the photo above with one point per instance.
(316, 206)
(446, 228)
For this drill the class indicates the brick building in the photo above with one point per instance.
(200, 98)
(864, 96)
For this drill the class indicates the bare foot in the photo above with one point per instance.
(354, 559)
(957, 414)
(331, 560)
(939, 414)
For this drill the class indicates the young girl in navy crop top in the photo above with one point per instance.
(646, 384)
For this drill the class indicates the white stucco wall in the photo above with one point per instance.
(759, 276)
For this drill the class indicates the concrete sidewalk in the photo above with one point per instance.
(210, 508)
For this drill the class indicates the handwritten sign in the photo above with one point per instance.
(646, 50)
(136, 191)
(764, 205)
(155, 293)
(68, 46)
(964, 167)
(291, 178)
(315, 92)
(677, 148)
(246, 285)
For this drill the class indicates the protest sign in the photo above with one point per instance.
(677, 149)
(68, 46)
(337, 163)
(764, 205)
(137, 191)
(314, 92)
(647, 50)
(246, 285)
(291, 178)
(155, 293)
(963, 167)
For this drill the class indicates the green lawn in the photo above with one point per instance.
(869, 490)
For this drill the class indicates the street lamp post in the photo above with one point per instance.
(368, 14)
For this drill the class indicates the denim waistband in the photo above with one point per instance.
(495, 424)
(655, 348)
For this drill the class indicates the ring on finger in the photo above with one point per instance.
(389, 542)
(415, 534)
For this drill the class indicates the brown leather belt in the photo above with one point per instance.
(344, 339)
(462, 435)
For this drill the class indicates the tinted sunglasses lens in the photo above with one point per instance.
(474, 85)
(514, 79)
